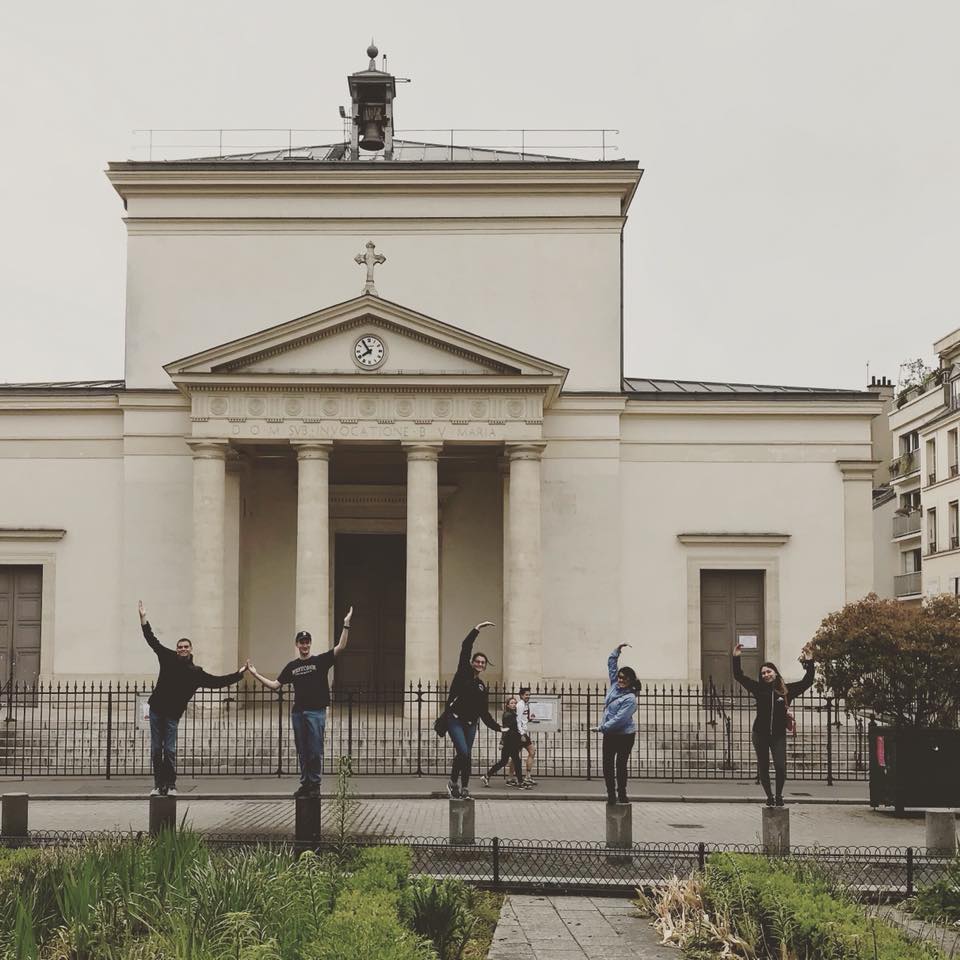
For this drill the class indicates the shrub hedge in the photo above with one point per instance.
(782, 908)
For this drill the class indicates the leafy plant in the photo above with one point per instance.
(345, 805)
(899, 663)
(440, 911)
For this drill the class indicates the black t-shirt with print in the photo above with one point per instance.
(311, 689)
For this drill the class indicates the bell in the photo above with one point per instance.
(372, 138)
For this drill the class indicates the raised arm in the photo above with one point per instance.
(612, 662)
(158, 648)
(752, 685)
(466, 648)
(797, 687)
(264, 681)
(344, 634)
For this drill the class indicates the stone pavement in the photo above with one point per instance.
(574, 928)
(518, 818)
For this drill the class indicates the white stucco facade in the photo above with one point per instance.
(533, 485)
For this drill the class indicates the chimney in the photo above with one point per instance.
(882, 386)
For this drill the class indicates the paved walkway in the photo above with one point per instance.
(574, 928)
(516, 818)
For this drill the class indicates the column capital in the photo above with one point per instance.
(422, 451)
(858, 469)
(312, 449)
(525, 451)
(209, 449)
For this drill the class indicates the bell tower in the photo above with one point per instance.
(372, 92)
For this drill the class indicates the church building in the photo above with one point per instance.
(389, 374)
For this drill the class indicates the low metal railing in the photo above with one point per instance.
(683, 732)
(908, 584)
(905, 526)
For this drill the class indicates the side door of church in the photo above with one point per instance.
(731, 609)
(20, 596)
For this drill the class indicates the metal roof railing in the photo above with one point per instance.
(445, 143)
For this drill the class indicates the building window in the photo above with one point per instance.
(909, 441)
(953, 465)
(954, 524)
(911, 561)
(932, 530)
(931, 461)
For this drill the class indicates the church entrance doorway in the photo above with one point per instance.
(20, 592)
(370, 574)
(731, 610)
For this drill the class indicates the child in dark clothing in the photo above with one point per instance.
(509, 744)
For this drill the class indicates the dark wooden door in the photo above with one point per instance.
(20, 593)
(371, 575)
(731, 608)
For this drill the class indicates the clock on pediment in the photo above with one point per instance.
(369, 351)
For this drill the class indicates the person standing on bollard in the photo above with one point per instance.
(178, 681)
(770, 726)
(509, 745)
(311, 697)
(466, 706)
(618, 727)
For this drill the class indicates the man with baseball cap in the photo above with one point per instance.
(311, 697)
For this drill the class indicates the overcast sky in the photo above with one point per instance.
(799, 216)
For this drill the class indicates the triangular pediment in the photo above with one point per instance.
(323, 345)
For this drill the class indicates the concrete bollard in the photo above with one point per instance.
(307, 829)
(163, 814)
(941, 833)
(463, 821)
(776, 831)
(620, 825)
(13, 820)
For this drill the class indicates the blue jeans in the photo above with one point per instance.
(462, 733)
(308, 727)
(163, 749)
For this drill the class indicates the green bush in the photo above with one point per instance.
(366, 925)
(941, 900)
(781, 908)
(441, 911)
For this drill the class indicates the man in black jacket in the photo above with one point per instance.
(178, 681)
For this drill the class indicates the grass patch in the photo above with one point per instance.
(940, 901)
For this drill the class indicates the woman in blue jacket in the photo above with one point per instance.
(618, 727)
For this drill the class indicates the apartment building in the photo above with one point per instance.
(925, 481)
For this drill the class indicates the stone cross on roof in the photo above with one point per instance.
(370, 260)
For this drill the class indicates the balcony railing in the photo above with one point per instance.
(954, 542)
(931, 479)
(907, 584)
(931, 548)
(954, 469)
(904, 526)
(905, 465)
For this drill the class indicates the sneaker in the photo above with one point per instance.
(163, 791)
(512, 782)
(312, 790)
(464, 793)
(301, 791)
(453, 790)
(770, 802)
(523, 786)
(170, 792)
(484, 779)
(156, 792)
(529, 780)
(778, 802)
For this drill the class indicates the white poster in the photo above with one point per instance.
(747, 640)
(544, 713)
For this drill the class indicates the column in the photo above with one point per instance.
(857, 527)
(504, 468)
(423, 564)
(209, 492)
(313, 541)
(522, 655)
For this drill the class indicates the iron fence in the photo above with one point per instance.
(872, 873)
(683, 733)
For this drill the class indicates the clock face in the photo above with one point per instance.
(369, 351)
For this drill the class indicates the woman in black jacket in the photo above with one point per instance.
(466, 705)
(509, 745)
(772, 697)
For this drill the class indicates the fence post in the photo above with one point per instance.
(349, 723)
(701, 856)
(496, 861)
(109, 726)
(419, 726)
(588, 733)
(280, 732)
(909, 871)
(829, 741)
